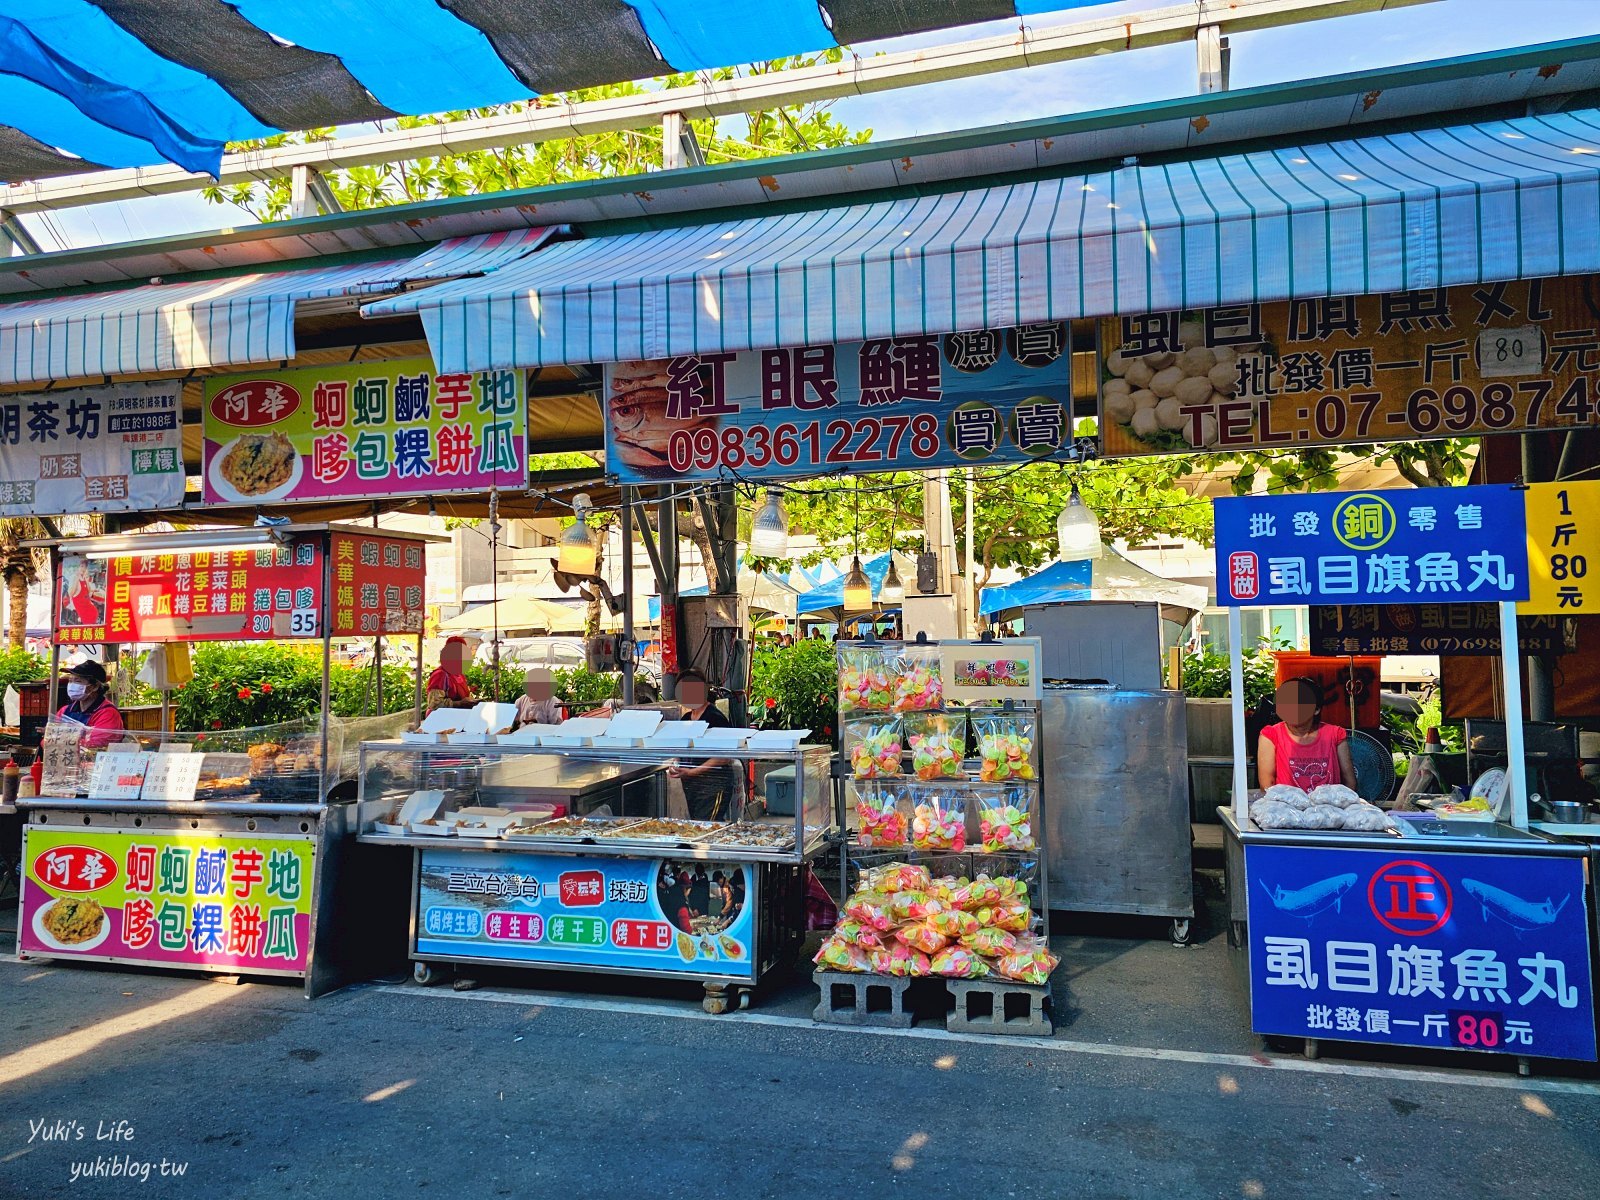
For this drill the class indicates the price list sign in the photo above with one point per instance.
(1564, 548)
(378, 585)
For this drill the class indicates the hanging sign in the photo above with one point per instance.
(116, 448)
(378, 585)
(1457, 629)
(362, 431)
(990, 396)
(1436, 545)
(1334, 371)
(215, 595)
(1564, 548)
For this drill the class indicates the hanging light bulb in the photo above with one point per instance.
(857, 589)
(769, 530)
(1077, 530)
(577, 552)
(893, 592)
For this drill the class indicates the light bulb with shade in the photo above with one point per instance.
(769, 529)
(576, 550)
(857, 589)
(893, 591)
(1077, 531)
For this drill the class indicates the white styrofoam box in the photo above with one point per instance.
(418, 738)
(777, 739)
(634, 723)
(528, 735)
(677, 733)
(725, 739)
(445, 720)
(471, 737)
(493, 716)
(419, 806)
(584, 727)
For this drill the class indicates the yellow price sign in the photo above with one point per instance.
(1563, 549)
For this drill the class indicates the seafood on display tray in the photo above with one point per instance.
(572, 827)
(751, 833)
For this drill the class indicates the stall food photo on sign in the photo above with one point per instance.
(362, 430)
(1338, 370)
(1396, 547)
(988, 396)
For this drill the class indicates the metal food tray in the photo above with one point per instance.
(541, 832)
(662, 841)
(784, 844)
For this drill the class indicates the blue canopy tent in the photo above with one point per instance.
(1111, 577)
(827, 600)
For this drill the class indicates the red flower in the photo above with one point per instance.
(771, 703)
(217, 724)
(266, 689)
(828, 729)
(244, 693)
(215, 686)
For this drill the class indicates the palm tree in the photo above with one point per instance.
(21, 567)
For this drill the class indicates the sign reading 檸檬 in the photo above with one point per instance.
(116, 448)
(1337, 370)
(203, 595)
(168, 898)
(1424, 545)
(1414, 948)
(991, 396)
(362, 430)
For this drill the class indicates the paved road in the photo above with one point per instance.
(383, 1091)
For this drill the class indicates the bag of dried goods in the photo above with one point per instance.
(918, 686)
(1005, 747)
(921, 936)
(938, 818)
(873, 746)
(938, 743)
(867, 678)
(959, 963)
(1031, 966)
(897, 877)
(954, 923)
(837, 955)
(991, 943)
(880, 822)
(871, 909)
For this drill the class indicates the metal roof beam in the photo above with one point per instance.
(704, 100)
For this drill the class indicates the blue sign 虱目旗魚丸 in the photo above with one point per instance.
(624, 914)
(1415, 948)
(1418, 546)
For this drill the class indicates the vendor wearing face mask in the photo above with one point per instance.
(87, 705)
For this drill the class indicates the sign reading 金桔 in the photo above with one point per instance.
(989, 396)
(1426, 545)
(116, 448)
(168, 898)
(1564, 548)
(201, 595)
(362, 430)
(626, 914)
(1412, 948)
(1338, 370)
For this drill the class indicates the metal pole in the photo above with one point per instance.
(1241, 751)
(1541, 668)
(968, 602)
(1510, 666)
(667, 548)
(327, 656)
(628, 666)
(417, 683)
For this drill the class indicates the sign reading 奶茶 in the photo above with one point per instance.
(168, 898)
(115, 448)
(1564, 548)
(989, 396)
(1411, 948)
(1425, 545)
(201, 595)
(362, 430)
(378, 584)
(627, 914)
(1338, 370)
(1458, 629)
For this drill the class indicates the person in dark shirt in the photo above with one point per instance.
(712, 787)
(700, 893)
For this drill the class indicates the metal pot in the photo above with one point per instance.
(1569, 812)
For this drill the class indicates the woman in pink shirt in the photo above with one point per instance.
(1300, 750)
(86, 689)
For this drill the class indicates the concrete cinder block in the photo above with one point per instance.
(999, 1006)
(848, 998)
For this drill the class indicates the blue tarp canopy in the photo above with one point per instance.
(1059, 583)
(1111, 577)
(830, 595)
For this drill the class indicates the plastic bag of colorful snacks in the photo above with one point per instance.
(920, 935)
(954, 923)
(857, 934)
(938, 743)
(1027, 966)
(918, 686)
(991, 943)
(868, 675)
(873, 746)
(1005, 820)
(896, 877)
(871, 909)
(880, 819)
(980, 893)
(949, 890)
(838, 955)
(1005, 747)
(1006, 915)
(938, 818)
(956, 962)
(912, 906)
(900, 959)
(1012, 888)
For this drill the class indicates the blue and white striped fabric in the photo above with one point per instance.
(1509, 200)
(171, 327)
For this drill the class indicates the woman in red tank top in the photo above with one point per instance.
(1300, 750)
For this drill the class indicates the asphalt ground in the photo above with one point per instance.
(548, 1086)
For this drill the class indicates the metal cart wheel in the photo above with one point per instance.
(423, 973)
(1179, 933)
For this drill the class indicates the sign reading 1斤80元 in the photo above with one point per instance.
(1429, 545)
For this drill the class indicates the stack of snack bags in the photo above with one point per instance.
(902, 921)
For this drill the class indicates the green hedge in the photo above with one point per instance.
(796, 687)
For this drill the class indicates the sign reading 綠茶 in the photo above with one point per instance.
(115, 448)
(986, 396)
(362, 430)
(1426, 545)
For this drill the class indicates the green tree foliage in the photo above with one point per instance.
(795, 687)
(1421, 464)
(1206, 675)
(594, 156)
(19, 666)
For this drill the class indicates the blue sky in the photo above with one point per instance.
(1415, 34)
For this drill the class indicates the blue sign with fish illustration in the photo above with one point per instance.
(1414, 947)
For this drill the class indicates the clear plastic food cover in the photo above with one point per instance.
(938, 744)
(918, 686)
(938, 817)
(1005, 746)
(882, 813)
(1005, 817)
(868, 675)
(873, 746)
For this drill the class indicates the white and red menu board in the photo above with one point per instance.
(378, 584)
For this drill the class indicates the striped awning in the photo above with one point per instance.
(231, 321)
(1504, 200)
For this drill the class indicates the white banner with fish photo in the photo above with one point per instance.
(115, 448)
